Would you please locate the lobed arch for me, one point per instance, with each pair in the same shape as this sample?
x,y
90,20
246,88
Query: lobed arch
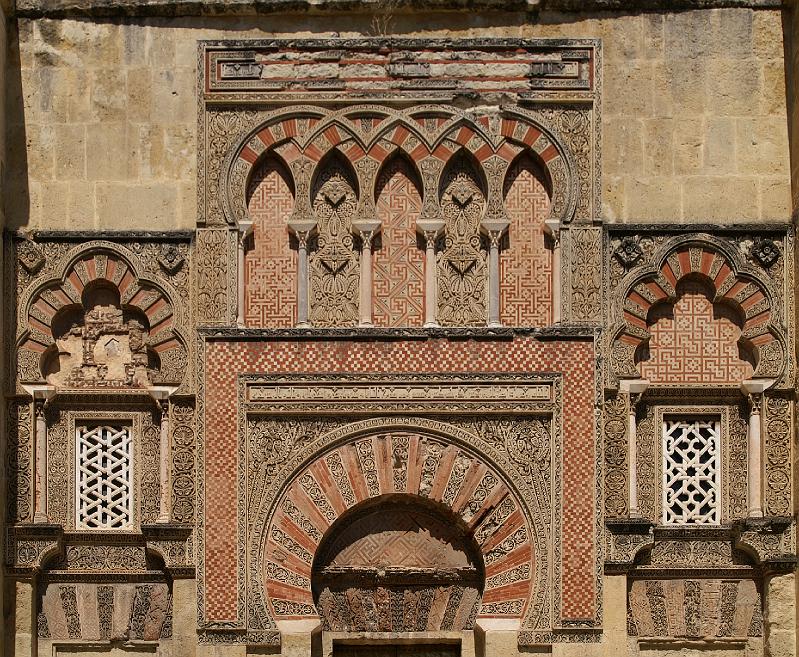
x,y
353,465
728,280
89,266
308,133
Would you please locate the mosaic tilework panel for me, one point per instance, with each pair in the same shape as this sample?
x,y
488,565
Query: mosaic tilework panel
x,y
694,343
526,263
573,358
270,264
398,265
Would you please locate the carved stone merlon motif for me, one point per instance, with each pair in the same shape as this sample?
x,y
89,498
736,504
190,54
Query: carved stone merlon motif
x,y
334,267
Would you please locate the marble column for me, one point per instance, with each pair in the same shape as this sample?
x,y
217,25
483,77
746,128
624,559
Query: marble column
x,y
40,437
367,230
634,389
245,230
552,228
754,392
164,512
430,280
493,279
302,279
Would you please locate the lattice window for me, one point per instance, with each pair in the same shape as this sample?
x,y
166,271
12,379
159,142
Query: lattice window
x,y
104,477
691,471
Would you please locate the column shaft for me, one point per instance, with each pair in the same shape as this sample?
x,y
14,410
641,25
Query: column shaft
x,y
366,279
755,461
302,279
165,514
430,280
40,503
493,280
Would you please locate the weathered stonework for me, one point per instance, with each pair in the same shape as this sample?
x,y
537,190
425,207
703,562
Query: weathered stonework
x,y
407,324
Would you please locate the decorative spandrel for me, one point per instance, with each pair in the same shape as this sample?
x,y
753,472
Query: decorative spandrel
x,y
462,270
334,267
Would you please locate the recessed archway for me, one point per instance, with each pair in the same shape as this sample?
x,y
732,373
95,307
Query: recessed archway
x,y
398,563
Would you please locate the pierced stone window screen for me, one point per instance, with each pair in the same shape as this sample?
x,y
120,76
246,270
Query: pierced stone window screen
x,y
691,471
103,477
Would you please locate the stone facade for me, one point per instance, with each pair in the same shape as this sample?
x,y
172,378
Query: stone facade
x,y
399,330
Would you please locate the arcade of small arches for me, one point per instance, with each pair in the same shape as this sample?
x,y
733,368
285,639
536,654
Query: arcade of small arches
x,y
427,219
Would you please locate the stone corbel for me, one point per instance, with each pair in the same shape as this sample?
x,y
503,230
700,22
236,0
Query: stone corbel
x,y
29,547
552,229
634,389
245,230
625,540
161,395
769,541
41,398
170,543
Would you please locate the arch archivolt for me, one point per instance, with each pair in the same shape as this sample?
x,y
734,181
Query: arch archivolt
x,y
303,477
370,134
64,289
731,281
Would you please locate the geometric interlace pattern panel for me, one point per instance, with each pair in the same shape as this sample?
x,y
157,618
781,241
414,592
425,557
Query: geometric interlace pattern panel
x,y
691,471
104,482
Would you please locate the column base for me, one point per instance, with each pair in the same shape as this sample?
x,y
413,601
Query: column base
x,y
431,325
41,519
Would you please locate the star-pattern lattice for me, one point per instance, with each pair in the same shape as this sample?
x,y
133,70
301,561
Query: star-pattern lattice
x,y
103,490
691,471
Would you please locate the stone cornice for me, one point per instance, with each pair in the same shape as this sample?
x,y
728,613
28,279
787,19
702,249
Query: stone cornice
x,y
168,8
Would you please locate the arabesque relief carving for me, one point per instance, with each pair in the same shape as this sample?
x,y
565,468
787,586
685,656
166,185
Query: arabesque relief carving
x,y
334,268
462,275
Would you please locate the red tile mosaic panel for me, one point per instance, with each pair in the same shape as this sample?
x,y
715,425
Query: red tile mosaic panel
x,y
398,265
694,342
